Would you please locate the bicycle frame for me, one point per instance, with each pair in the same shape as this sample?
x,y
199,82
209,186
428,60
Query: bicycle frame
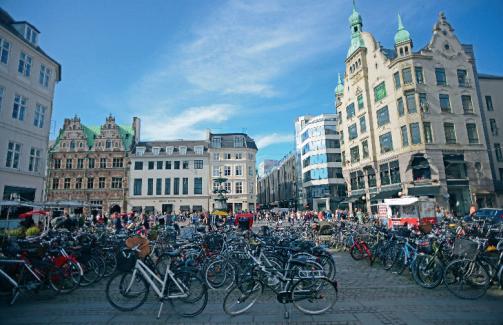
x,y
14,282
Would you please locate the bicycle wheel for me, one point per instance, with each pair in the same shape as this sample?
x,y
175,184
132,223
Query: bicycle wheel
x,y
357,253
91,270
428,271
68,279
110,263
127,291
220,273
399,262
466,279
196,290
241,298
314,295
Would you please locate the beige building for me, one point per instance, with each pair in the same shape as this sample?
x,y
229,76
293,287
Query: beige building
x,y
410,121
28,77
233,156
90,164
491,89
169,176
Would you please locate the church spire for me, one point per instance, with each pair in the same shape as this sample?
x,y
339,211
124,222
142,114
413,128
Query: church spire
x,y
356,24
402,35
339,90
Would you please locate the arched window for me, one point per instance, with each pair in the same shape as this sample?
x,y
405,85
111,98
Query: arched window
x,y
72,145
420,168
109,144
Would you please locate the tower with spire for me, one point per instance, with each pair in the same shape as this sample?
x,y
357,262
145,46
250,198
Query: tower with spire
x,y
356,24
403,42
339,90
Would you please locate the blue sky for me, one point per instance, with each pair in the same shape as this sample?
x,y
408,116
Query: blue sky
x,y
231,66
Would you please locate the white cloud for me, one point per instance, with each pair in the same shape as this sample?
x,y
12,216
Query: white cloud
x,y
263,141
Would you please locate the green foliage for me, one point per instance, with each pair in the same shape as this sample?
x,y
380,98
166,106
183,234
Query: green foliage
x,y
17,232
32,231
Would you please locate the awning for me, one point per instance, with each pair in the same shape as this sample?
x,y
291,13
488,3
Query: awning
x,y
385,194
430,190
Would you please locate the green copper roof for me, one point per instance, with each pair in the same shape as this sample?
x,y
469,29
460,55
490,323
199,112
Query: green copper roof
x,y
91,133
339,90
356,26
355,18
402,35
127,134
356,43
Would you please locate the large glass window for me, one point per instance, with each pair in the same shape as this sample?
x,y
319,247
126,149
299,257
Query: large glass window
x,y
419,75
471,129
350,110
450,133
355,154
386,142
176,186
396,78
185,186
415,133
394,170
445,103
35,160
138,165
13,152
405,136
198,164
371,177
407,76
352,131
410,97
158,186
440,76
19,107
382,116
379,91
384,174
400,106
198,185
167,186
363,124
150,186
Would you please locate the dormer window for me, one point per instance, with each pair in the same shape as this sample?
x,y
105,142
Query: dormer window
x,y
140,151
238,142
155,151
199,150
182,150
169,150
31,35
216,142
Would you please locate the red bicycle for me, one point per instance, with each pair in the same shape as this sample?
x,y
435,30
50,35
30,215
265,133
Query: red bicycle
x,y
360,249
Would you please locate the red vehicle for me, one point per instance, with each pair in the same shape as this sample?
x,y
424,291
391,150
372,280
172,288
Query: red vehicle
x,y
409,210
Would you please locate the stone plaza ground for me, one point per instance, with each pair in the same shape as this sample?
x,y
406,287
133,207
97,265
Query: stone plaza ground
x,y
366,296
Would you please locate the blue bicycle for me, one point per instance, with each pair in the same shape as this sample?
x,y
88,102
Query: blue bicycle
x,y
405,257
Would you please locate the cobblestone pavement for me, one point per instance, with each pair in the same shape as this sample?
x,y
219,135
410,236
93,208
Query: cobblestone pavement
x,y
366,296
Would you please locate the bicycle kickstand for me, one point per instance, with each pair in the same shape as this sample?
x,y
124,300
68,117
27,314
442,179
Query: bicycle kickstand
x,y
160,310
287,313
15,294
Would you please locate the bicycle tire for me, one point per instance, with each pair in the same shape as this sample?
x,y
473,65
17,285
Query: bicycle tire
x,y
240,296
464,274
356,253
428,271
117,288
313,290
219,273
198,293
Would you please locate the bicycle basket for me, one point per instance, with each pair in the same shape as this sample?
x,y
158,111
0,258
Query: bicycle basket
x,y
141,243
126,260
465,248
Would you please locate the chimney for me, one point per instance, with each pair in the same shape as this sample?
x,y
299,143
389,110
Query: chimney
x,y
136,129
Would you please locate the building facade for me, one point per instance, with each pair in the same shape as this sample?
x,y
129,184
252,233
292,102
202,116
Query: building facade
x,y
233,156
318,146
90,164
491,92
410,122
278,188
28,77
265,166
169,176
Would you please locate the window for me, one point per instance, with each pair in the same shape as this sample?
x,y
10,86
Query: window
x,y
250,170
497,151
466,100
182,150
72,145
176,186
215,187
227,156
90,182
363,124
238,142
216,142
411,101
216,171
66,183
116,182
350,110
38,120
45,76
227,171
238,155
216,156
405,136
57,163
198,164
239,187
407,76
462,78
151,165
158,186
494,127
341,136
90,163
140,151
352,132
159,164
379,91
343,157
169,150
251,156
384,173
239,170
415,133
355,154
19,107
168,165
156,151
450,133
198,185
489,103
34,160
419,75
400,106
69,163
30,35
185,164
382,116
150,186
386,142
167,186
80,163
360,102
423,103
103,163
185,186
471,129
227,187
396,78
137,184
55,183
198,150
445,103
4,51
108,144
394,171
101,182
440,75
2,93
365,149
24,67
138,165
117,162
428,136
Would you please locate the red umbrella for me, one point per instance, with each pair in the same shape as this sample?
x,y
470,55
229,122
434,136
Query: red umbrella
x,y
247,215
32,213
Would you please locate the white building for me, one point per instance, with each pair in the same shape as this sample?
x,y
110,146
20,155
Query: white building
x,y
28,77
233,157
169,176
317,144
